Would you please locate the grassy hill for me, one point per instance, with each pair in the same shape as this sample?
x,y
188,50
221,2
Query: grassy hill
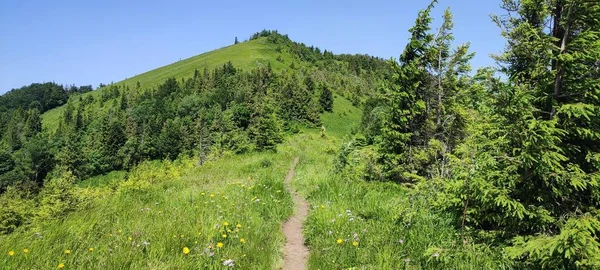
x,y
246,55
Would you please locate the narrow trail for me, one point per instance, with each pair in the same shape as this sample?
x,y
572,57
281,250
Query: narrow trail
x,y
295,253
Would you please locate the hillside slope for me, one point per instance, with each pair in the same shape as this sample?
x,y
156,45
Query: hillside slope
x,y
246,55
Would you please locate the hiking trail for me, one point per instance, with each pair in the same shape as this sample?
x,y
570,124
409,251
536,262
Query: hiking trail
x,y
295,253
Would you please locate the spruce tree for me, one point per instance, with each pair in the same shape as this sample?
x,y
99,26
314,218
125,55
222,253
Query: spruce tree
x,y
326,99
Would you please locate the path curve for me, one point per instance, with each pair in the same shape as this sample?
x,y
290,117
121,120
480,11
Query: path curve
x,y
295,253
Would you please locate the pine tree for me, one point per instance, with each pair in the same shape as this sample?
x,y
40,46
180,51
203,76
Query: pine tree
x,y
326,99
265,126
406,107
537,155
33,124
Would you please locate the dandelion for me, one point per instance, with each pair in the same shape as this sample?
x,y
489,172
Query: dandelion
x,y
186,251
224,235
129,238
242,240
219,245
212,195
225,223
11,253
61,265
339,241
229,263
91,249
355,244
68,251
26,251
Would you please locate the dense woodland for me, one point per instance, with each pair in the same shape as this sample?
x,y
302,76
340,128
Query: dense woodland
x,y
511,153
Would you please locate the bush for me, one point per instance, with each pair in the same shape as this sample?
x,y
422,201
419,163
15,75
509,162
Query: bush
x,y
57,197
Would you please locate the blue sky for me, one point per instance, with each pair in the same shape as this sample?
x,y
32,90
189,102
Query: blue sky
x,y
92,42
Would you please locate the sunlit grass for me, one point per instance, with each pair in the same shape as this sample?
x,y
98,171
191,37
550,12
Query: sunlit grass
x,y
229,212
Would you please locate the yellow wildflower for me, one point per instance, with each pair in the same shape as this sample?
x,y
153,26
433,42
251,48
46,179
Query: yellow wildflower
x,y
355,244
242,240
186,250
26,251
91,249
225,223
219,245
68,251
238,226
212,195
11,253
224,235
61,265
129,238
339,241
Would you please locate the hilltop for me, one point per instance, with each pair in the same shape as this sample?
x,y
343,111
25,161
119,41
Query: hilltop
x,y
353,76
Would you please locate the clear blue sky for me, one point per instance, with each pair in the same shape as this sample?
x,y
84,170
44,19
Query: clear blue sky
x,y
91,42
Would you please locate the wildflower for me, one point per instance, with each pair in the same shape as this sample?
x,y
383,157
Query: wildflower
x,y
407,260
91,249
242,240
182,236
339,241
26,251
225,223
129,238
61,265
212,195
229,263
145,243
186,250
355,244
401,241
219,245
68,251
224,235
436,255
11,253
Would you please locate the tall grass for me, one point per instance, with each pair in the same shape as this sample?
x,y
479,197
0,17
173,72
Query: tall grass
x,y
163,210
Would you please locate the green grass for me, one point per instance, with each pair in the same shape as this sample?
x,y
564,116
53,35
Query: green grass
x,y
146,221
245,55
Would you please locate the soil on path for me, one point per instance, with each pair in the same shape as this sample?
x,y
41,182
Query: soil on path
x,y
295,253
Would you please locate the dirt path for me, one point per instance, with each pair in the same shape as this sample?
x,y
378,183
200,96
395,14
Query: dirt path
x,y
295,253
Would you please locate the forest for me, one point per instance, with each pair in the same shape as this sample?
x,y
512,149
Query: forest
x,y
494,168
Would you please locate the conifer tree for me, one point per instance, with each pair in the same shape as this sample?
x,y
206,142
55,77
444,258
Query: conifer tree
x,y
326,99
